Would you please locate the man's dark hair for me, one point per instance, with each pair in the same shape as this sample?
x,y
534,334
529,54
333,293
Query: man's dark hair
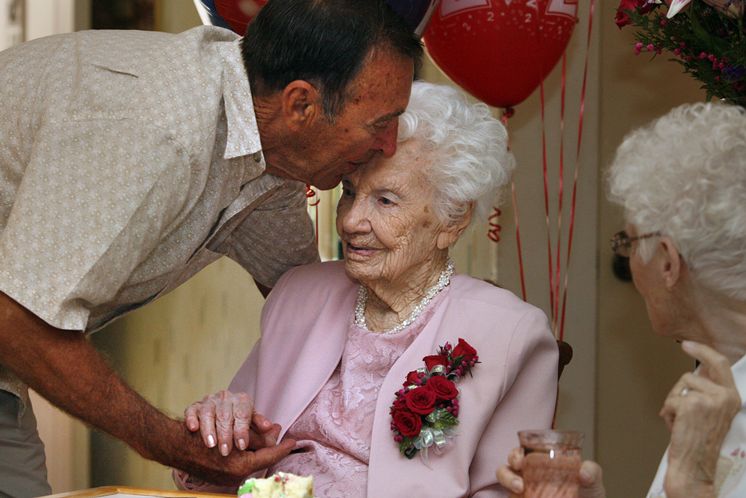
x,y
324,42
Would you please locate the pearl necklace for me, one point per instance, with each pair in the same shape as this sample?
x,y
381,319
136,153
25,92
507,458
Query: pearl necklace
x,y
362,300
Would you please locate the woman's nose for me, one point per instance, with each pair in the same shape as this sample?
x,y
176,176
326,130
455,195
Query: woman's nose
x,y
355,218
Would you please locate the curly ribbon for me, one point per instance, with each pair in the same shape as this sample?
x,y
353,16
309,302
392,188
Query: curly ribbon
x,y
494,232
581,113
545,177
311,194
558,286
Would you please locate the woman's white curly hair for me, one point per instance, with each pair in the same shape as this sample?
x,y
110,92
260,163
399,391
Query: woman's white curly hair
x,y
471,161
685,176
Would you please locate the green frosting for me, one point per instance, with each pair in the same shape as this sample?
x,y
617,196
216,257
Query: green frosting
x,y
247,487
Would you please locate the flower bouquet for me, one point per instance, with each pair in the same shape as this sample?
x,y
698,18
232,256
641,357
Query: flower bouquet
x,y
425,411
706,37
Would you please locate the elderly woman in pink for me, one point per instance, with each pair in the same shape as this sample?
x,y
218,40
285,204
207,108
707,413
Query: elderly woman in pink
x,y
369,363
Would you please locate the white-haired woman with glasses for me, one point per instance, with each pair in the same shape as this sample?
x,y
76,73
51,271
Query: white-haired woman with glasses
x,y
349,360
682,183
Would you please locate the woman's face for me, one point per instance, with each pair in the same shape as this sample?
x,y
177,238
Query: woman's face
x,y
662,306
385,218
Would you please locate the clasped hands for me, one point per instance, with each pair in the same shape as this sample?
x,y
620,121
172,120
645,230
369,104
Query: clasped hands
x,y
227,420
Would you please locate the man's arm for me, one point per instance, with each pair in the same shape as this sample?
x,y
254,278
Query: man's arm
x,y
66,369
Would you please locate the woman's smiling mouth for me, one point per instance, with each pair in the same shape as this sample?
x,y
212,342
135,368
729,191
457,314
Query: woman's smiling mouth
x,y
353,250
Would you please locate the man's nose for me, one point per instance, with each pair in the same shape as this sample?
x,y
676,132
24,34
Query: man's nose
x,y
387,139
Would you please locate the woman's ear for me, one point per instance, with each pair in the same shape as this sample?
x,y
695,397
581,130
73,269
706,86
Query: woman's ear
x,y
672,265
301,104
450,233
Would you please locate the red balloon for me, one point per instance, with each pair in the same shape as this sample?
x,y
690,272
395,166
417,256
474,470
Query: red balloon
x,y
239,13
500,50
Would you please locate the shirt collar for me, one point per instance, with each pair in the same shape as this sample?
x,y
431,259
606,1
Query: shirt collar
x,y
243,133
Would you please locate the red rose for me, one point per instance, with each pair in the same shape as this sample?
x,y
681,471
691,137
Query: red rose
x,y
421,400
413,378
398,404
464,350
640,6
434,360
407,423
443,388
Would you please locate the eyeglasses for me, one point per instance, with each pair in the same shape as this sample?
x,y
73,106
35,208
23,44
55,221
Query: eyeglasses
x,y
621,242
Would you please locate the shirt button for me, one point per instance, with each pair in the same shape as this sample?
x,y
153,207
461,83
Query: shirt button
x,y
257,157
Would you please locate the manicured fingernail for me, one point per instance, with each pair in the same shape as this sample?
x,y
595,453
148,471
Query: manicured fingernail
x,y
210,441
224,449
585,475
241,444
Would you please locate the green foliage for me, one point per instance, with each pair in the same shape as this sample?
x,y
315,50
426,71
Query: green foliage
x,y
708,44
441,419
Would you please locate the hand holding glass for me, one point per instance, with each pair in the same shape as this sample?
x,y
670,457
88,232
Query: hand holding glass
x,y
551,463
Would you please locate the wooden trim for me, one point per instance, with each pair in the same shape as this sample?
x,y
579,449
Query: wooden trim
x,y
112,490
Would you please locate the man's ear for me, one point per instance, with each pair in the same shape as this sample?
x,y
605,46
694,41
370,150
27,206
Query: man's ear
x,y
301,104
450,233
672,265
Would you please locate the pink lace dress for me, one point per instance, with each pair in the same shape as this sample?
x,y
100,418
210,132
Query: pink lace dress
x,y
334,431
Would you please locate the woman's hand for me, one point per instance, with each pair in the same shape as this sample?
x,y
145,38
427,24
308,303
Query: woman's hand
x,y
698,411
589,476
227,419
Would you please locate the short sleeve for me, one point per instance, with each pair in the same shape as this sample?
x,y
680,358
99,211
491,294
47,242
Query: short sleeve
x,y
275,237
96,197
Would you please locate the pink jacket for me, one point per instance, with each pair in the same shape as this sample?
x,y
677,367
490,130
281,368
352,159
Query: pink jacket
x,y
304,329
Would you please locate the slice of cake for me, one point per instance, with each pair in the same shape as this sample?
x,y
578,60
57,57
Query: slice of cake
x,y
280,485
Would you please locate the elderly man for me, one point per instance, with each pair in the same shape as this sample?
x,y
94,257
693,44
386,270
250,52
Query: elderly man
x,y
131,160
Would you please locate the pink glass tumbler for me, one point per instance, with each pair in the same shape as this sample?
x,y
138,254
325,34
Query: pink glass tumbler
x,y
551,463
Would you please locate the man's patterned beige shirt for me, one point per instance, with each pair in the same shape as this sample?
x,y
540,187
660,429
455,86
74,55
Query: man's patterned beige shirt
x,y
129,161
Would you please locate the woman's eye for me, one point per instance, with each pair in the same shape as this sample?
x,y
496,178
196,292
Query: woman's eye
x,y
347,192
385,201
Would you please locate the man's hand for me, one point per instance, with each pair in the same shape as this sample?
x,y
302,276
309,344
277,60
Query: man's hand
x,y
698,411
62,366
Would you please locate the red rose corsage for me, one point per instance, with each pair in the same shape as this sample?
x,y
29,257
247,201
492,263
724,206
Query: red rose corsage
x,y
425,411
